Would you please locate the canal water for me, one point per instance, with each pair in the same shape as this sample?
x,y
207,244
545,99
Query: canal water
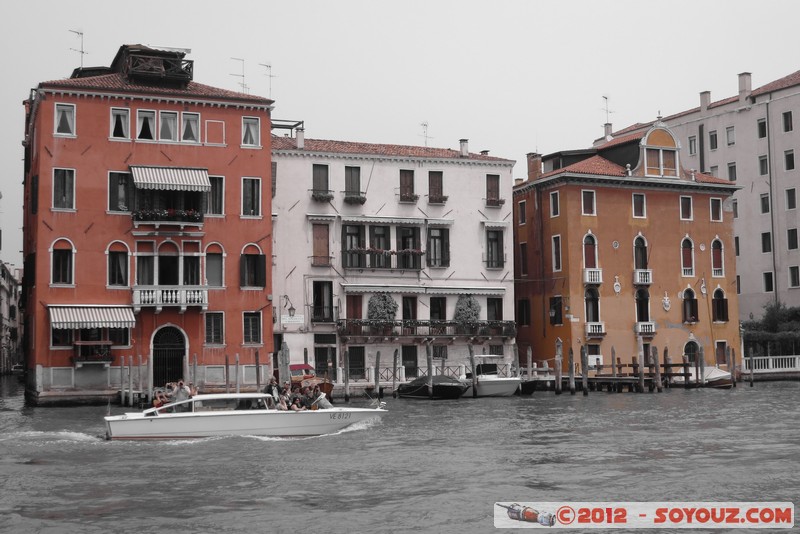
x,y
427,467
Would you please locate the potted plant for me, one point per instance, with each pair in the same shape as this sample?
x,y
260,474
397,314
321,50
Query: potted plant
x,y
381,310
467,313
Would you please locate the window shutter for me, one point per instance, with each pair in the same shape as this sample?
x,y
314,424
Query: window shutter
x,y
242,270
261,270
274,178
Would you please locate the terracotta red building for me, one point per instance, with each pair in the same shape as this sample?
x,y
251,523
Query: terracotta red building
x,y
618,244
147,229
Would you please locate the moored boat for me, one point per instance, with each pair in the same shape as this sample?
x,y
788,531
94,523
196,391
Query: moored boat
x,y
492,386
713,377
444,387
232,414
304,375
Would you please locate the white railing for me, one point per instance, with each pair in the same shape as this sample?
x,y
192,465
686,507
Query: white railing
x,y
595,329
642,277
593,276
688,271
717,273
771,364
160,296
645,328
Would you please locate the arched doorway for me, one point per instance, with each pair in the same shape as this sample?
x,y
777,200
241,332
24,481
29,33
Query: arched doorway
x,y
169,348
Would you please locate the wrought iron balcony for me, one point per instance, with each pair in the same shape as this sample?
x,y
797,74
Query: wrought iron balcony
x,y
422,329
159,297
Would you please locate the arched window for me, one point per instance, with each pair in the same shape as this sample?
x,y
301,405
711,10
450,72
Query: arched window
x,y
642,306
719,306
168,264
252,267
687,257
639,253
590,252
717,266
689,306
62,262
117,253
592,305
215,274
690,350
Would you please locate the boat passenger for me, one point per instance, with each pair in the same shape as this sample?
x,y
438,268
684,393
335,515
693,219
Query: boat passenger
x,y
283,401
181,393
160,399
272,388
297,406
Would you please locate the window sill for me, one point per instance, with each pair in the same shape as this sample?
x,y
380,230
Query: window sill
x,y
253,217
65,286
215,345
115,212
252,345
251,147
118,288
65,136
120,139
63,210
251,288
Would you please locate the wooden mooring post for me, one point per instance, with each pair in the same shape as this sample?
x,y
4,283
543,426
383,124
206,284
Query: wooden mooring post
x,y
613,385
667,367
732,364
584,371
130,381
258,372
641,361
559,363
471,349
429,359
529,354
346,375
378,390
685,371
394,375
236,369
701,377
654,361
752,366
571,372
227,374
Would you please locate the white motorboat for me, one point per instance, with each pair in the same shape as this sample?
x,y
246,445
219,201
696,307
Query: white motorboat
x,y
713,377
232,414
493,386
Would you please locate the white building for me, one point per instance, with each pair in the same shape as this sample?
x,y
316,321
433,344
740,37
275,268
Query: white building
x,y
423,225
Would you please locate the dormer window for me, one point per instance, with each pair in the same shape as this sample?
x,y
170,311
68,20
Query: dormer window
x,y
661,153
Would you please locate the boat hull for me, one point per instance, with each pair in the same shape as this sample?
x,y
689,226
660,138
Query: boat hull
x,y
443,388
712,378
492,386
196,423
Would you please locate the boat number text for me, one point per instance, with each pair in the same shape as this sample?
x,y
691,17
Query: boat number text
x,y
340,416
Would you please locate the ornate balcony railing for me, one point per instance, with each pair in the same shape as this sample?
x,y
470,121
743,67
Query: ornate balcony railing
x,y
645,328
593,276
425,328
159,297
167,217
642,277
596,329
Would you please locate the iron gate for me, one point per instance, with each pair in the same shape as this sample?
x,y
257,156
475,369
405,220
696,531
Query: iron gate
x,y
169,349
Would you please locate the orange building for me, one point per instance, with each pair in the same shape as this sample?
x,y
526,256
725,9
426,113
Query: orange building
x,y
147,229
617,244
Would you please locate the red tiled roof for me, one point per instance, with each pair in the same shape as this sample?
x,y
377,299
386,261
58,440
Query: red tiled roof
x,y
116,82
352,147
699,177
594,165
783,83
636,136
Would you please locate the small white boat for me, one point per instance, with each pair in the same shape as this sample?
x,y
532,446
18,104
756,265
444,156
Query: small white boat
x,y
232,414
713,377
493,386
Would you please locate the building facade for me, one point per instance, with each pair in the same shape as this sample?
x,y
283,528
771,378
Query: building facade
x,y
146,229
618,249
9,319
750,139
375,245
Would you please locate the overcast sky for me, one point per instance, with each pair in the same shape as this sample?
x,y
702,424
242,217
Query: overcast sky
x,y
512,76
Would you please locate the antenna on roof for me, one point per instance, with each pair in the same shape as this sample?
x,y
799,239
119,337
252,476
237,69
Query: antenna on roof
x,y
241,84
269,75
82,52
424,125
605,108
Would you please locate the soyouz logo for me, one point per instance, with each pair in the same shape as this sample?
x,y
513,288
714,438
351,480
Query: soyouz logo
x,y
637,515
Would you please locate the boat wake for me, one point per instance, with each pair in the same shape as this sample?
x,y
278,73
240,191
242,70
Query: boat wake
x,y
51,437
355,427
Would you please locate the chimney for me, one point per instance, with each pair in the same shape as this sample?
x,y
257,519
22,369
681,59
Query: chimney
x,y
301,138
518,181
464,148
705,100
484,152
744,86
534,166
607,130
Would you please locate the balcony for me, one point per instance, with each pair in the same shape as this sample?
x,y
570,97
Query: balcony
x,y
642,277
356,258
159,297
408,197
495,202
595,329
645,328
167,217
717,273
92,353
418,330
355,197
437,199
593,276
688,271
322,195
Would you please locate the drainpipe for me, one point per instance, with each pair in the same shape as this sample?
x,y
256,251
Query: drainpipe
x,y
771,205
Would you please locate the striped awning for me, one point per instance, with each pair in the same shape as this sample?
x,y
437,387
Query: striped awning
x,y
171,178
71,317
